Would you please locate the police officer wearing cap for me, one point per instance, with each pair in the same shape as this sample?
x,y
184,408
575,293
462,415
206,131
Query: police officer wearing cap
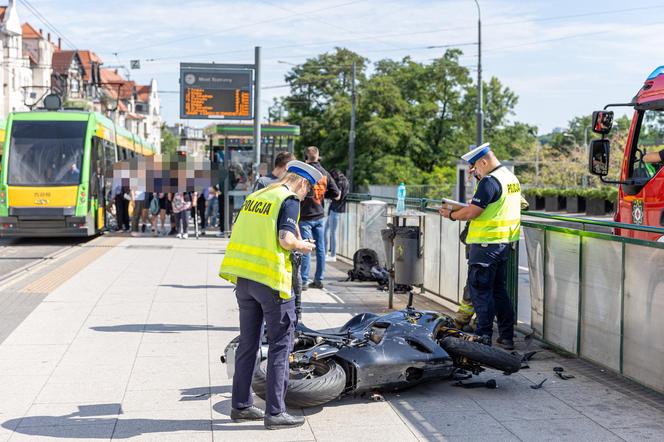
x,y
257,262
495,211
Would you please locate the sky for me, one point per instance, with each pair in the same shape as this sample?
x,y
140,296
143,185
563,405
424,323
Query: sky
x,y
562,58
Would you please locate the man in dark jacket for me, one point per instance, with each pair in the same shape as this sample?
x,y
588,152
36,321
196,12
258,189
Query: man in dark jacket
x,y
312,219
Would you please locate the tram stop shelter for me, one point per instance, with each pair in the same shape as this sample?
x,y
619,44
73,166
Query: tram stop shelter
x,y
232,145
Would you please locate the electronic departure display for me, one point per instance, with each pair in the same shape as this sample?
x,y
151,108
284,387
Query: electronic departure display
x,y
210,92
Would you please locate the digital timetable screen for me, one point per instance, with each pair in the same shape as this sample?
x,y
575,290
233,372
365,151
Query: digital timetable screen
x,y
208,92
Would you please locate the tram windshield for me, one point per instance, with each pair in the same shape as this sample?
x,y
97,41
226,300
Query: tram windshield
x,y
46,153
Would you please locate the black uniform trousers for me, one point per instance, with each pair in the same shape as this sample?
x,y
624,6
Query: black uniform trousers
x,y
258,303
487,284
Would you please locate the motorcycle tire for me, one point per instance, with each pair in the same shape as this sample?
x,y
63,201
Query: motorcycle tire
x,y
304,393
482,354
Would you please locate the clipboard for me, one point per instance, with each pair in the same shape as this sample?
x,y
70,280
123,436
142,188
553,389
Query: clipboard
x,y
453,205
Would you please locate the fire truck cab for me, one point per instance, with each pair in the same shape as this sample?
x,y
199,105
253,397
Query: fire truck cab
x,y
641,183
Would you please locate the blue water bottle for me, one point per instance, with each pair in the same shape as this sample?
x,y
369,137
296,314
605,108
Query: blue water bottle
x,y
401,198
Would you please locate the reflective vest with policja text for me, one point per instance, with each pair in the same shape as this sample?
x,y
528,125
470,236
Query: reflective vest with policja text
x,y
500,222
254,251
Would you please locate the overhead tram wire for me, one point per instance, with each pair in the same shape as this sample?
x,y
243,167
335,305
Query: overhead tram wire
x,y
47,23
397,34
326,22
249,25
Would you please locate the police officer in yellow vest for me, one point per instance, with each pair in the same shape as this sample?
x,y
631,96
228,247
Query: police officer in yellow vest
x,y
495,212
257,262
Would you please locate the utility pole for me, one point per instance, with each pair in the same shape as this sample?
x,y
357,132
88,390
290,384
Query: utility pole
x,y
351,134
480,113
257,110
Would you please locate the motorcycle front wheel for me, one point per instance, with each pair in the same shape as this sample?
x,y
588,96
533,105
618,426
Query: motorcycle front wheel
x,y
309,385
482,354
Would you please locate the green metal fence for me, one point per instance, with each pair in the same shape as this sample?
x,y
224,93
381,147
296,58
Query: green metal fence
x,y
598,295
594,294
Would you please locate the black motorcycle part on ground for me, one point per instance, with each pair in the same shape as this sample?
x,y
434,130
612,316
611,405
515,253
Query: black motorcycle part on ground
x,y
482,354
328,384
400,352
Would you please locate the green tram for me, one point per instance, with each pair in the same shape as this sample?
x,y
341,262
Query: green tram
x,y
57,172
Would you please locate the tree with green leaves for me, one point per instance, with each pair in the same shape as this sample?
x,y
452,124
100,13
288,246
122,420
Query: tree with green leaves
x,y
169,142
413,119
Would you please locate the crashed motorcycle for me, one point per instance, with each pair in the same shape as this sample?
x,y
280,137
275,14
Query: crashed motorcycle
x,y
377,353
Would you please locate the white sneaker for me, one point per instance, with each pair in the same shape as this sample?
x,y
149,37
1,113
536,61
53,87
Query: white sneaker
x,y
179,235
185,236
330,259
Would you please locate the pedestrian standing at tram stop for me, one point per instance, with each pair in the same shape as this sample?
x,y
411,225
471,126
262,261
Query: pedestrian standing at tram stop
x,y
495,211
257,262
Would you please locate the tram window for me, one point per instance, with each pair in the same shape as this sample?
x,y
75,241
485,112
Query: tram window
x,y
47,153
109,155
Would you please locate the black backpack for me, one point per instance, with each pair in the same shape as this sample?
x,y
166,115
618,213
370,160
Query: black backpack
x,y
363,261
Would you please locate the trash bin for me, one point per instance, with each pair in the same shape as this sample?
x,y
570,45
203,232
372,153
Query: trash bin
x,y
408,256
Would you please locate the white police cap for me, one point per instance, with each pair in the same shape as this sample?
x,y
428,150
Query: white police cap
x,y
305,170
476,153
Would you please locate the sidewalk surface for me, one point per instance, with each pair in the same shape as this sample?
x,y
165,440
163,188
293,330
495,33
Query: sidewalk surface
x,y
127,339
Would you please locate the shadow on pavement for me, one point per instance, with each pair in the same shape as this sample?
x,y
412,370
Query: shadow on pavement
x,y
159,328
200,286
203,393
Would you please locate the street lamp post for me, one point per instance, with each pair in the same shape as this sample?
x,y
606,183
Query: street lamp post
x,y
351,134
480,113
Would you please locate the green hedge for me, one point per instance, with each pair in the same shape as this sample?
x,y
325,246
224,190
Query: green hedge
x,y
607,193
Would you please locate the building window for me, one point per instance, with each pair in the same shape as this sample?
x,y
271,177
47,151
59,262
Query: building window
x,y
74,85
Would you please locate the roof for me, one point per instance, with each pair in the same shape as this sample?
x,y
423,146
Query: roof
x,y
87,58
3,9
62,61
111,79
29,32
143,92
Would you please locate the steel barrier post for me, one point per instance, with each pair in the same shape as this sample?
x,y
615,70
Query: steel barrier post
x,y
513,278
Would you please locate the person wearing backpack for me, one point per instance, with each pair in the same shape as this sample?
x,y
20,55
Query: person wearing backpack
x,y
337,207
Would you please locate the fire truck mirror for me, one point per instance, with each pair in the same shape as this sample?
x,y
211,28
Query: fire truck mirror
x,y
602,122
598,157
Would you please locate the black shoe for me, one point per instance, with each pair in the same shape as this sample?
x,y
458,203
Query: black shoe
x,y
506,344
251,413
316,284
143,228
282,420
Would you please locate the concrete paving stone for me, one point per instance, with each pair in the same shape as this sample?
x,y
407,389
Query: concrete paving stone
x,y
621,413
560,430
92,371
180,436
65,334
352,412
5,434
649,431
435,421
224,429
366,433
173,378
31,351
100,430
591,394
474,436
172,349
30,367
82,391
69,415
167,423
190,399
545,406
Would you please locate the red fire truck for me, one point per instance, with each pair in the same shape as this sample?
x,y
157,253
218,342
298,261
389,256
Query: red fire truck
x,y
641,183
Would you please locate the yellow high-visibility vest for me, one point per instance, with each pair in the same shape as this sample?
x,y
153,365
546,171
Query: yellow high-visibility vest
x,y
500,222
254,251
